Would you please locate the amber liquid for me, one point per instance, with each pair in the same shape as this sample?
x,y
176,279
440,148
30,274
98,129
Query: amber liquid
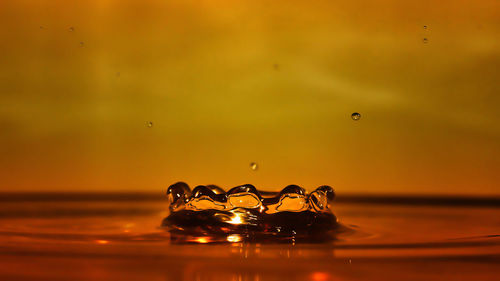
x,y
284,227
245,214
105,237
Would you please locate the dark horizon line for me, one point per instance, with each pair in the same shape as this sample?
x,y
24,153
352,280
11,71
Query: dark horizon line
x,y
387,199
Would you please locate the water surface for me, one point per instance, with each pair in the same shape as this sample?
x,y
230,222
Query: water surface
x,y
118,237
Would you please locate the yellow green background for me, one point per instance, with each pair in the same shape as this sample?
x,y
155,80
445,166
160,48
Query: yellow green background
x,y
227,83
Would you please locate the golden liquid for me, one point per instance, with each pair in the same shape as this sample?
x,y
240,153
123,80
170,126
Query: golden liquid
x,y
110,237
131,95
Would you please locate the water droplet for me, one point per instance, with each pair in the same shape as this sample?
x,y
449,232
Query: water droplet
x,y
215,189
202,190
41,27
318,200
243,189
71,29
254,166
149,124
425,26
425,40
328,190
82,44
355,116
118,74
276,66
292,188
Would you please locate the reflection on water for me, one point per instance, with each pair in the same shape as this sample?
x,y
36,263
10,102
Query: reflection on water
x,y
119,238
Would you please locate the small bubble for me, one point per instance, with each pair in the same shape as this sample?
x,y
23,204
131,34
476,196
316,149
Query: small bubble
x,y
254,166
149,124
425,40
82,44
355,116
71,29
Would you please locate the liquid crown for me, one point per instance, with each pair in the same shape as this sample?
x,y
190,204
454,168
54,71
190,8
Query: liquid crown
x,y
210,212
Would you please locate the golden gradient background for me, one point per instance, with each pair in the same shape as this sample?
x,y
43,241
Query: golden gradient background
x,y
227,83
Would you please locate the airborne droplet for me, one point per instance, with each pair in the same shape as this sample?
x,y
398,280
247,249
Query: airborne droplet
x,y
149,124
355,116
254,166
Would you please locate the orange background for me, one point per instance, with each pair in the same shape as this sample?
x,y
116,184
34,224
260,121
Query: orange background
x,y
227,83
